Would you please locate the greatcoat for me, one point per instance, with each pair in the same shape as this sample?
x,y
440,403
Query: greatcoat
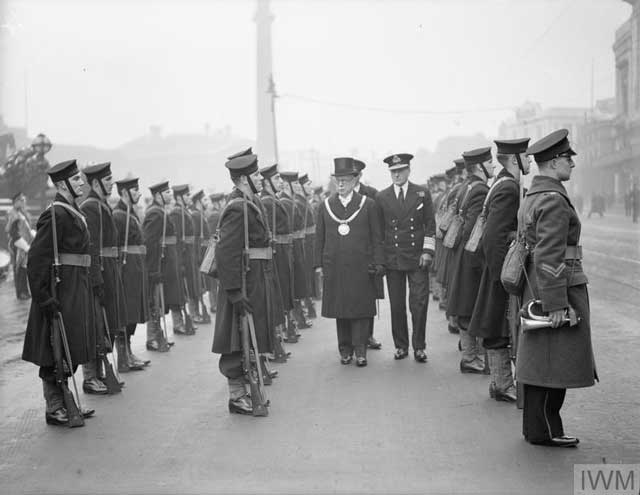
x,y
163,260
297,222
347,261
555,357
105,264
489,318
229,256
443,257
134,272
466,267
186,249
73,291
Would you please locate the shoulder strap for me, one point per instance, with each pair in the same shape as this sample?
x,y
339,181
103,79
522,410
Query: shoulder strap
x,y
466,194
71,210
493,186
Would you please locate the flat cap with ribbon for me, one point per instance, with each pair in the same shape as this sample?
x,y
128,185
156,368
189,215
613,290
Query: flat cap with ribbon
x,y
551,146
242,165
400,160
97,171
63,170
159,187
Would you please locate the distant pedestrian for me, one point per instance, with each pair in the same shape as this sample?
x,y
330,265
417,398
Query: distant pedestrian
x,y
20,236
635,203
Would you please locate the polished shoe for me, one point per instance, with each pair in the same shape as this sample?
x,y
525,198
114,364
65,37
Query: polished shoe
x,y
197,319
272,373
453,328
420,356
156,346
179,330
94,386
372,343
346,359
87,413
170,344
290,339
471,368
135,360
242,405
563,441
305,324
361,362
401,354
57,418
508,395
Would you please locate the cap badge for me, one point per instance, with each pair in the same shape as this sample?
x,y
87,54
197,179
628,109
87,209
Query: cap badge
x,y
396,159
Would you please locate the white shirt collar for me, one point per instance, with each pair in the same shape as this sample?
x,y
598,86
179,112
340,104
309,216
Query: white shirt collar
x,y
357,188
347,200
404,187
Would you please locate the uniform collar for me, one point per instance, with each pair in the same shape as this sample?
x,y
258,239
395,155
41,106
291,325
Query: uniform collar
x,y
404,187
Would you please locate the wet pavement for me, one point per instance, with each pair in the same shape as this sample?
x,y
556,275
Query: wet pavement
x,y
394,426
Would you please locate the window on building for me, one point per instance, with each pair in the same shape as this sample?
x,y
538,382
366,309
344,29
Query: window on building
x,y
623,88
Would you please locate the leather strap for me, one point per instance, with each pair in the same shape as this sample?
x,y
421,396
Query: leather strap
x,y
170,240
283,239
136,249
109,252
71,259
265,253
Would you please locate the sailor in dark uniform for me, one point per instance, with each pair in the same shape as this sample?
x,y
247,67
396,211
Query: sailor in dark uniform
x,y
406,212
213,215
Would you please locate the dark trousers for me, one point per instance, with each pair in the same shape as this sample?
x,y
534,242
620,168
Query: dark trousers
x,y
371,327
418,304
496,343
352,336
541,414
20,281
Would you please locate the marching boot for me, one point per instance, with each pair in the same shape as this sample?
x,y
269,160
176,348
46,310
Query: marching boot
x,y
133,359
194,311
492,363
155,338
470,362
189,326
505,388
292,336
178,322
91,384
239,400
311,308
298,314
206,317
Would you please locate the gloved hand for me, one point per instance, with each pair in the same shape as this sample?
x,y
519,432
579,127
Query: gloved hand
x,y
241,304
156,278
98,291
425,261
377,270
50,306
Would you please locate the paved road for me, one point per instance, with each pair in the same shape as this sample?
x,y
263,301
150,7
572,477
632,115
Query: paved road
x,y
391,427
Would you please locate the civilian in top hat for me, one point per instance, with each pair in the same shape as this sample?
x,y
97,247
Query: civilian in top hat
x,y
369,192
73,297
132,255
234,300
489,320
406,213
185,233
202,235
467,266
20,236
162,265
550,360
105,277
349,254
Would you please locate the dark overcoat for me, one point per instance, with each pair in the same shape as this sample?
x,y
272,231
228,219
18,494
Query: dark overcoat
x,y
201,229
370,192
276,214
212,221
443,258
408,228
466,267
104,270
555,357
489,318
229,256
133,272
185,232
163,260
309,241
297,222
349,289
73,292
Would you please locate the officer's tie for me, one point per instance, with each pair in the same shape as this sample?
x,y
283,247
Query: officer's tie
x,y
401,196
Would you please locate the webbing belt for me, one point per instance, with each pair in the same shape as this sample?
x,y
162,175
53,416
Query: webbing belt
x,y
135,250
109,252
265,253
75,259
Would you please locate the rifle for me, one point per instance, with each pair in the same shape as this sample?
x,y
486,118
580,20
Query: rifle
x,y
126,236
258,396
188,322
60,343
112,383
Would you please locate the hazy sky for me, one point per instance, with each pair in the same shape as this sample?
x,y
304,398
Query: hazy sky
x,y
101,72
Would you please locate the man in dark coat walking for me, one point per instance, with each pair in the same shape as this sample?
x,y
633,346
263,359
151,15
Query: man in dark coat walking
x,y
369,192
234,300
550,360
132,256
349,255
409,227
489,320
162,266
466,266
73,297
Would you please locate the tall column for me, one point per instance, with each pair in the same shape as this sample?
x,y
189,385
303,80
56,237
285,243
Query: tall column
x,y
266,147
